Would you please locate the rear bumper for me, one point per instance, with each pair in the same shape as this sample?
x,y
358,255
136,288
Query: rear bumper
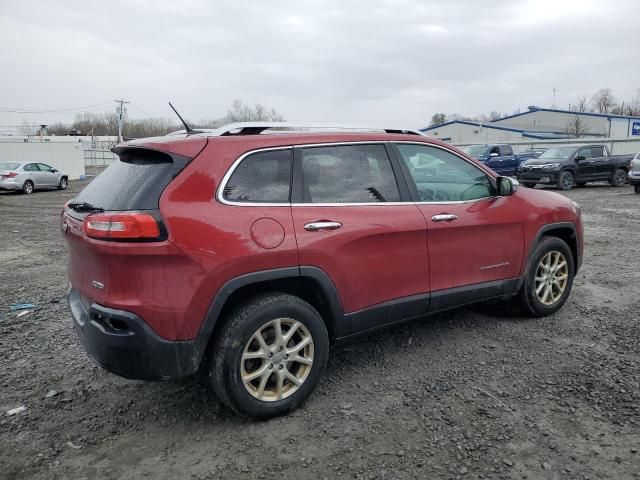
x,y
124,344
10,185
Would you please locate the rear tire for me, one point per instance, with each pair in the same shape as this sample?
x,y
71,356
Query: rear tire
x,y
566,180
257,337
63,183
619,178
636,188
548,279
27,187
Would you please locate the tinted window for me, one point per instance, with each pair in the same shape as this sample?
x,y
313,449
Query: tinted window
x,y
31,167
135,182
585,152
348,174
597,152
262,177
441,176
44,168
507,150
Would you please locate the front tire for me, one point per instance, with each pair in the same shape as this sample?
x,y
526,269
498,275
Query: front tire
x,y
27,187
548,279
636,188
269,355
619,178
63,183
566,180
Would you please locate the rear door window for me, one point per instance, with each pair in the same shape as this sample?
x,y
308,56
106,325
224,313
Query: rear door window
x,y
348,174
262,177
597,152
134,182
507,150
31,167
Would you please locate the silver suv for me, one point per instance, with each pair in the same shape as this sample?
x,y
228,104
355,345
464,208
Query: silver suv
x,y
27,176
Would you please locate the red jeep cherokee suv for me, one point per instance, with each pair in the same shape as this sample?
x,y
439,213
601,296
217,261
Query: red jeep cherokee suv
x,y
245,251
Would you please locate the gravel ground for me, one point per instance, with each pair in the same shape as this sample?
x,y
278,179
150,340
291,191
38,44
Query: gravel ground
x,y
475,393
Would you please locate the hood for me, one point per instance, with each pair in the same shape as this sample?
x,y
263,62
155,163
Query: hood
x,y
544,161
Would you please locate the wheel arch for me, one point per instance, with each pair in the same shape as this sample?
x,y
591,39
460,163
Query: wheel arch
x,y
565,231
311,284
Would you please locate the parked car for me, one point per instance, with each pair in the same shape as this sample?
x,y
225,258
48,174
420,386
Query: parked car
x,y
569,165
634,173
29,176
498,156
245,254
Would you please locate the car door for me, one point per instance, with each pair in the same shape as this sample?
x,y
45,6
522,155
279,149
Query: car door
x,y
585,164
356,222
603,166
509,163
495,162
46,175
33,173
475,238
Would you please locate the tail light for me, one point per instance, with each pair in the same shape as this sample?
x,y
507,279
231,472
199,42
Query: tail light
x,y
10,175
122,226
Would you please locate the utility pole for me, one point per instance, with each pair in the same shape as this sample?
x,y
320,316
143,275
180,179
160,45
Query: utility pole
x,y
554,99
120,117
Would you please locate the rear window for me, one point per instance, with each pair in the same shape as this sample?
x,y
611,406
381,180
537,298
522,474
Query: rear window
x,y
135,182
262,177
9,166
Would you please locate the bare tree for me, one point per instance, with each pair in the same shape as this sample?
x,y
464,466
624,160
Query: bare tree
x,y
27,128
577,127
437,119
582,103
603,100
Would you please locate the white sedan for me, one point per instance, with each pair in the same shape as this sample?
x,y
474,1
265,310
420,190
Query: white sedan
x,y
28,176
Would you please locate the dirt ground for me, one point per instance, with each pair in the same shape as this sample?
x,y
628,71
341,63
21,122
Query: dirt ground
x,y
476,393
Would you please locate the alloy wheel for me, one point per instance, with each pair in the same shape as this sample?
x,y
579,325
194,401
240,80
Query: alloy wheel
x,y
277,359
567,181
552,276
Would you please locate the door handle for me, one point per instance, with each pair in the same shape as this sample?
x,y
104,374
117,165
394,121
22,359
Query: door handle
x,y
444,217
322,225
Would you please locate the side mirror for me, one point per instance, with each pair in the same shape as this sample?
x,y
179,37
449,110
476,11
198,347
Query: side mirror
x,y
53,170
493,154
506,186
580,157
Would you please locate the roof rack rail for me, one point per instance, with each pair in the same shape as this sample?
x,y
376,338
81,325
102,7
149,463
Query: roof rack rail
x,y
255,128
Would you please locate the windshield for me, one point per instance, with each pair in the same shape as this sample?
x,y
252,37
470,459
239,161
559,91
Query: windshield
x,y
558,152
9,166
474,150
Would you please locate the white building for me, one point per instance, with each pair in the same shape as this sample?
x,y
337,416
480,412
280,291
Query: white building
x,y
64,153
537,124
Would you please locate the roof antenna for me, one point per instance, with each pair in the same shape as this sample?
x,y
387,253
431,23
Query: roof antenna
x,y
187,128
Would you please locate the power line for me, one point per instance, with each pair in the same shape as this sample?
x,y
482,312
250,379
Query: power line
x,y
57,110
135,105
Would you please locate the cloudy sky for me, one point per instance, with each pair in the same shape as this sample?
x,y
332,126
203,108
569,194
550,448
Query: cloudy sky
x,y
359,61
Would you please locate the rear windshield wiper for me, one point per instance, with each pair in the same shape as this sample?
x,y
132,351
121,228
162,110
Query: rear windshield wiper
x,y
84,207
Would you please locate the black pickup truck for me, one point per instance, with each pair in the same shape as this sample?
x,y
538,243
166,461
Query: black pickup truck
x,y
569,165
